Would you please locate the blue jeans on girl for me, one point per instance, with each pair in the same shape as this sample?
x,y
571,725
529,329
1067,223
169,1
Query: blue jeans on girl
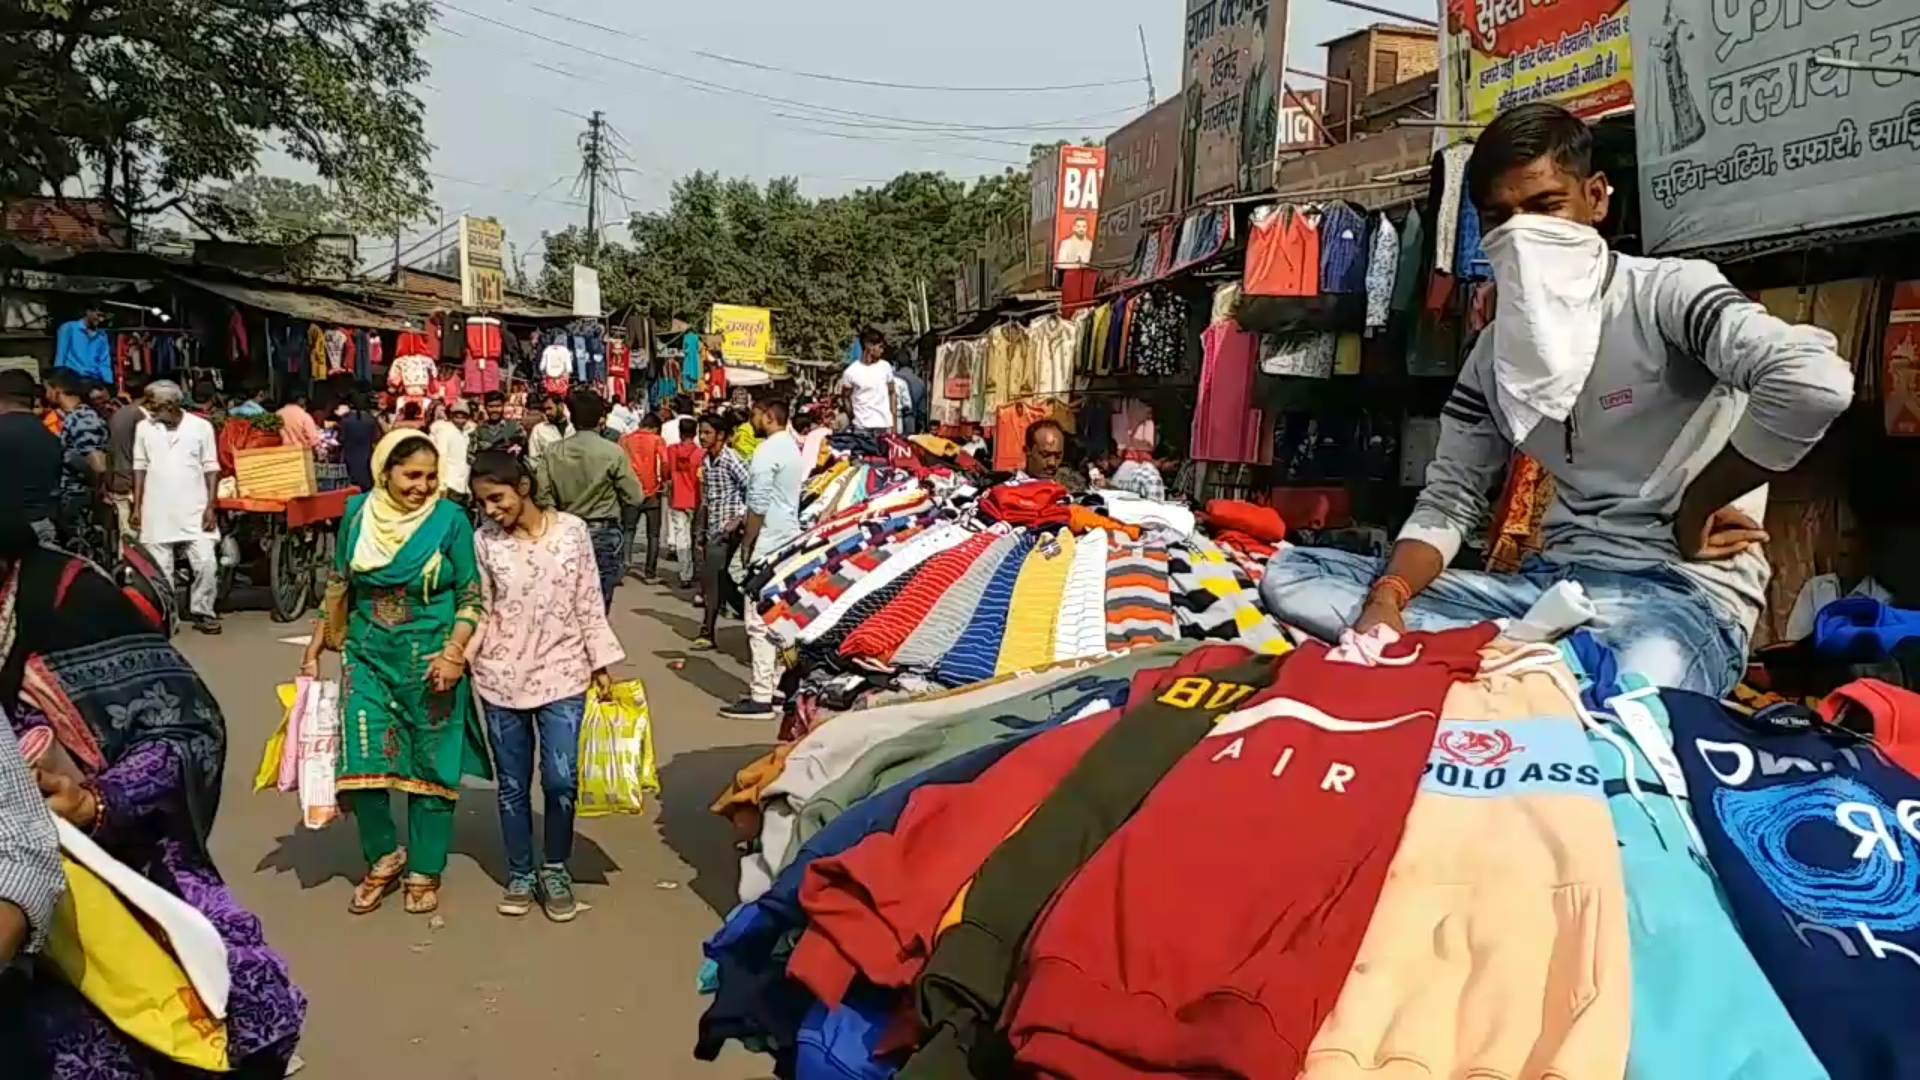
x,y
513,732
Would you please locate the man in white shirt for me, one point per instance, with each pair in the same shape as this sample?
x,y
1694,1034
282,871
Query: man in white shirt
x,y
450,436
175,471
551,429
871,397
775,477
1075,250
672,411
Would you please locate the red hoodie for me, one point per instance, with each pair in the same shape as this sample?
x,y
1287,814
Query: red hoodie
x,y
1212,934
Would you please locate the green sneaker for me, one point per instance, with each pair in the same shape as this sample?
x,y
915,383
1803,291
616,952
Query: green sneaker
x,y
518,899
556,894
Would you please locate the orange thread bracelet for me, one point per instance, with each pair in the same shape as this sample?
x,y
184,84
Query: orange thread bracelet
x,y
1395,584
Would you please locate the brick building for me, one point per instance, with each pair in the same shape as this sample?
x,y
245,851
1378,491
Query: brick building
x,y
1371,60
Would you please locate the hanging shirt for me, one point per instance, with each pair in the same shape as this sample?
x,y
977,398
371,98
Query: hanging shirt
x,y
1343,251
1283,254
1226,426
177,461
1308,353
1383,270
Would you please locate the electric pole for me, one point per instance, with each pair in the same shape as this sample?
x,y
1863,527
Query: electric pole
x,y
593,152
1146,60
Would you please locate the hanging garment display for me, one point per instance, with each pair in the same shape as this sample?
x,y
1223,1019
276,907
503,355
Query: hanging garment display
x,y
1346,354
335,347
1307,353
556,366
1226,425
1343,251
1383,268
1283,253
1406,272
410,379
1157,335
1052,342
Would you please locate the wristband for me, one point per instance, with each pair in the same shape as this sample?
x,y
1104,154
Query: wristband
x,y
1394,584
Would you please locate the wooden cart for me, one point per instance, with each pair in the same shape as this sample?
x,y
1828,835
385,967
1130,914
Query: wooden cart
x,y
287,545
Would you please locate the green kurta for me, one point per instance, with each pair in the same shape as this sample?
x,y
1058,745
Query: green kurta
x,y
395,732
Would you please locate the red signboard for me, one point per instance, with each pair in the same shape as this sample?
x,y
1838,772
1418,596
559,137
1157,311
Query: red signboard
x,y
1076,215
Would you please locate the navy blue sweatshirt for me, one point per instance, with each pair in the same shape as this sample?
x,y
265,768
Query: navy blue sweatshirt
x,y
1806,833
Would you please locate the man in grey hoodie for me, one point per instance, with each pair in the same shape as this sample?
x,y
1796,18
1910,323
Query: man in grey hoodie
x,y
1659,397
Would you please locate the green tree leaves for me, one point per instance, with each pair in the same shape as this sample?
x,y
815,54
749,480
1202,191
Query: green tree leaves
x,y
828,266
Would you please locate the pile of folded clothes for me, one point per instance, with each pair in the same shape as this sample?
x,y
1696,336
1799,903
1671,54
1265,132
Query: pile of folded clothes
x,y
908,581
1444,855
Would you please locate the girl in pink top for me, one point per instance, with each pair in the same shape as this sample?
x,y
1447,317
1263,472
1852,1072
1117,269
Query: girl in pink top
x,y
544,641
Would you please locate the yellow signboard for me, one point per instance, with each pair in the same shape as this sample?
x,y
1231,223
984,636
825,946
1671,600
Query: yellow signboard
x,y
1575,53
483,263
746,337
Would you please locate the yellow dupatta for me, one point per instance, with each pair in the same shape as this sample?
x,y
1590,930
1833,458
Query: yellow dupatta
x,y
385,525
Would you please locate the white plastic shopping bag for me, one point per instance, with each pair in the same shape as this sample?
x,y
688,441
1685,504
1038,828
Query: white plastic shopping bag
x,y
319,728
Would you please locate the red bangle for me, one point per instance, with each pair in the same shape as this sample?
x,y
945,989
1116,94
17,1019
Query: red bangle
x,y
1395,584
92,787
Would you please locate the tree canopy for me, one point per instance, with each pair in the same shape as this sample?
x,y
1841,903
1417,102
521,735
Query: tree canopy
x,y
830,266
149,101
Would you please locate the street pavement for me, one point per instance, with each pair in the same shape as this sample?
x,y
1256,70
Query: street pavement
x,y
474,994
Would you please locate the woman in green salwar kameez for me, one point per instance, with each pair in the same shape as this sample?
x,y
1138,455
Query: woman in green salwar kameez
x,y
406,591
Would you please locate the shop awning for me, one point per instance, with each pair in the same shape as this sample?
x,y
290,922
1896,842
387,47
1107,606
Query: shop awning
x,y
313,307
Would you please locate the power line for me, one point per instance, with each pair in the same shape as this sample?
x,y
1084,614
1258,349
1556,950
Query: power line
x,y
723,88
506,190
848,80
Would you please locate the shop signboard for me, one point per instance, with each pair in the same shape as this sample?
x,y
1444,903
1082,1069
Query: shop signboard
x,y
1143,161
1301,124
1076,211
1902,369
586,292
746,338
1235,53
483,263
1742,136
1502,53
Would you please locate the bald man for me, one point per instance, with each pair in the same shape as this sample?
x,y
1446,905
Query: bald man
x,y
1047,457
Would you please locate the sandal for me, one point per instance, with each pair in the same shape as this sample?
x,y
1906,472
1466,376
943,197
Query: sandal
x,y
420,894
378,883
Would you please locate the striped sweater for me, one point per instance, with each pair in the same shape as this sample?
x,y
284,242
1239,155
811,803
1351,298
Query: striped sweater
x,y
1033,616
951,613
885,564
976,652
1214,599
1083,617
1139,601
876,639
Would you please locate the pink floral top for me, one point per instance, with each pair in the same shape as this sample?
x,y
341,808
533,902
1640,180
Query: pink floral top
x,y
545,631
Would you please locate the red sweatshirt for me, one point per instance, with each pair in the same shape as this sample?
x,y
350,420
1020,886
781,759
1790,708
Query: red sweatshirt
x,y
1212,934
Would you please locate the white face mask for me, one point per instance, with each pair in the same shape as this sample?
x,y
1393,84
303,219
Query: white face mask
x,y
1548,274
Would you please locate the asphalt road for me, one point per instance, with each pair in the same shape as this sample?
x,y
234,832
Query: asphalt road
x,y
474,994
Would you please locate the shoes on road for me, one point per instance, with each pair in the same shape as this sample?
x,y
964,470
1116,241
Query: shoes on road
x,y
518,899
556,894
701,644
748,710
207,626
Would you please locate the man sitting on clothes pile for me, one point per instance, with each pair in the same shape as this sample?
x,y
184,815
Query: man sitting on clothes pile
x,y
1659,397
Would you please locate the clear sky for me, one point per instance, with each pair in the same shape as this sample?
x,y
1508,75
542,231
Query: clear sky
x,y
506,106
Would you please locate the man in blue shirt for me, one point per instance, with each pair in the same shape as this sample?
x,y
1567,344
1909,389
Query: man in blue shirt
x,y
774,480
82,348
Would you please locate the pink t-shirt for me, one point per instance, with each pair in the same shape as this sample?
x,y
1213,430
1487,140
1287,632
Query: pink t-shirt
x,y
545,631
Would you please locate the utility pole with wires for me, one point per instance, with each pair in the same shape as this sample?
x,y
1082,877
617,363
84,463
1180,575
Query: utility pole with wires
x,y
1146,60
593,159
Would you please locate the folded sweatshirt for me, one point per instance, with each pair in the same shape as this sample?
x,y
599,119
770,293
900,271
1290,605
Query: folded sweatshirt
x,y
966,980
878,637
975,654
831,749
1498,949
1105,682
1139,595
1692,972
1210,934
1082,629
1813,835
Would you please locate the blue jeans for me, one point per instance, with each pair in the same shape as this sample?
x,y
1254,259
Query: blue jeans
x,y
512,731
609,557
1657,623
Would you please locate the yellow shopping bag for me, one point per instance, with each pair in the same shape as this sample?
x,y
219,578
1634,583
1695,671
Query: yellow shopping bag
x,y
101,948
268,778
617,767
